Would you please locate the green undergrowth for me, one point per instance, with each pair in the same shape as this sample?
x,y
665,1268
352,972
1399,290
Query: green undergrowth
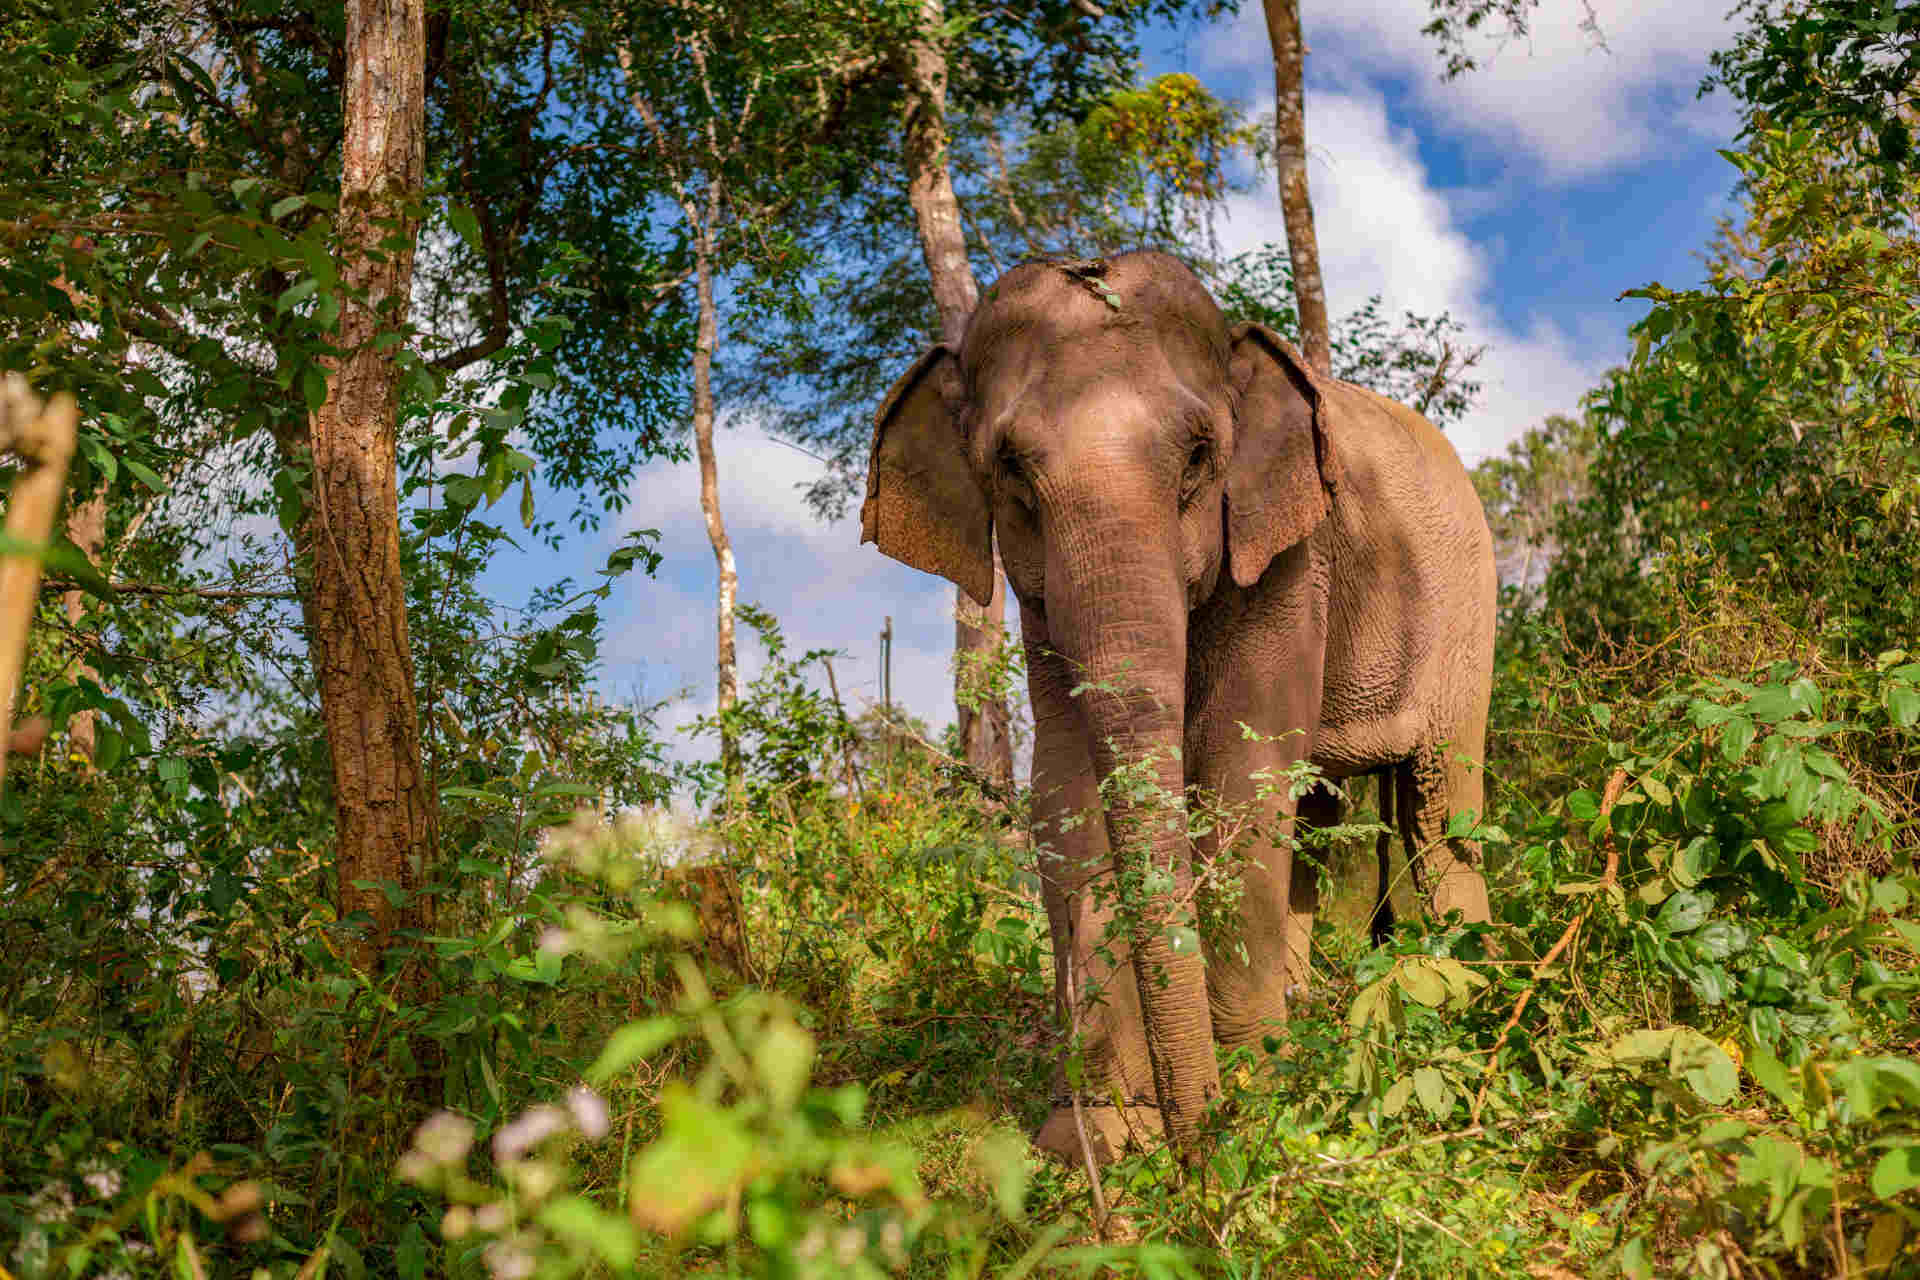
x,y
1687,1045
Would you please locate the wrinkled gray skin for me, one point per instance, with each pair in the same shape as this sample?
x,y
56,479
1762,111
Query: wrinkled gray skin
x,y
1210,535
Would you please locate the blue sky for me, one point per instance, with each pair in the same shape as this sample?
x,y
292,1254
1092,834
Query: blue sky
x,y
1522,198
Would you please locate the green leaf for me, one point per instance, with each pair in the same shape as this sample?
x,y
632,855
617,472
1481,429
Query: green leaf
x,y
295,294
1644,1045
462,220
705,1152
783,1057
1397,1097
1774,1077
144,474
1694,861
1735,738
1898,1171
313,386
410,1253
286,205
609,1237
1002,1156
630,1044
1431,1088
1705,1066
1422,983
1903,705
1684,912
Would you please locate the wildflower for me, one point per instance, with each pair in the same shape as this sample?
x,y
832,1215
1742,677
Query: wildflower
x,y
589,1111
529,1131
52,1203
508,1261
103,1181
444,1138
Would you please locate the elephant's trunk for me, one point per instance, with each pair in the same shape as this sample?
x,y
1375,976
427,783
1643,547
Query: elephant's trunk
x,y
1116,610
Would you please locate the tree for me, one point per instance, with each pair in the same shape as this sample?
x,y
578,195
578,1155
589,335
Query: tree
x,y
384,807
978,631
1290,171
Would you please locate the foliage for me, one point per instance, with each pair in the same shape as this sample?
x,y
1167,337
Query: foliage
x,y
1526,493
1843,69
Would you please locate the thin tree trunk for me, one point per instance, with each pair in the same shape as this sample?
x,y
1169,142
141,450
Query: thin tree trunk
x,y
705,336
978,633
384,809
87,529
1290,163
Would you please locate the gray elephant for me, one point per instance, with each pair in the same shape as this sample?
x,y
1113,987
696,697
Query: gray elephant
x,y
1202,533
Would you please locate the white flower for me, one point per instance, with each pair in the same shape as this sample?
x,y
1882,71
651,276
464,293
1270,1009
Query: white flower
x,y
529,1131
444,1138
53,1202
103,1181
589,1112
507,1260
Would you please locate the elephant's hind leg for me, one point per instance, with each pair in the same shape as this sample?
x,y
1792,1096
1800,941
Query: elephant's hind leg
x,y
1436,783
1318,808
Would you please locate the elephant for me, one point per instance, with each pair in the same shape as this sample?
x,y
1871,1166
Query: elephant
x,y
1205,537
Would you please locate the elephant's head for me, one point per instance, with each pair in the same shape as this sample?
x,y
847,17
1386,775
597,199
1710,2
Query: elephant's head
x,y
1128,448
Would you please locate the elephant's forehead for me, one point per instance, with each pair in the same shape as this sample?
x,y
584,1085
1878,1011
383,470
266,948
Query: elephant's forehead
x,y
1032,383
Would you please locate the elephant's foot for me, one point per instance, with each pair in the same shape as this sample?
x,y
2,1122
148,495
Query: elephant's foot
x,y
1110,1130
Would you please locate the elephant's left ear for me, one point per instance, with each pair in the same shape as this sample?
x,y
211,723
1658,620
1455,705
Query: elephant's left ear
x,y
1283,470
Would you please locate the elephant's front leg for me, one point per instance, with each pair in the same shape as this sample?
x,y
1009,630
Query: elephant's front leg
x,y
1095,992
1261,670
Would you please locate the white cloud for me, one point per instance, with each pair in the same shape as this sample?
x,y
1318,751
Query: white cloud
x,y
1554,105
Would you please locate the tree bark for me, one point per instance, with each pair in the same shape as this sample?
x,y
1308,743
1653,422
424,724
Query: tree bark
x,y
1290,165
384,808
978,634
727,671
87,529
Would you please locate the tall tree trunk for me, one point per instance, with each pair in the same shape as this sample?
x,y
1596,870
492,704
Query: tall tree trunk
x,y
705,336
384,809
87,529
1290,163
978,633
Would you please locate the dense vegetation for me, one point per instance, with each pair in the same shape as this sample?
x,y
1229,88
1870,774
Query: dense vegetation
x,y
787,1010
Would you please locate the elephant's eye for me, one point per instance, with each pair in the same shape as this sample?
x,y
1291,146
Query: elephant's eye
x,y
1014,476
1199,466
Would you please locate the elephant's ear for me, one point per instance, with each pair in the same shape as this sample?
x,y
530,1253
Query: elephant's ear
x,y
924,507
1283,468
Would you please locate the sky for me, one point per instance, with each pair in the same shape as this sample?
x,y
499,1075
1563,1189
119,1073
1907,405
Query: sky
x,y
1522,197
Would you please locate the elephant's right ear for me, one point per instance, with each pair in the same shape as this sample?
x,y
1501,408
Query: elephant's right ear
x,y
924,507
